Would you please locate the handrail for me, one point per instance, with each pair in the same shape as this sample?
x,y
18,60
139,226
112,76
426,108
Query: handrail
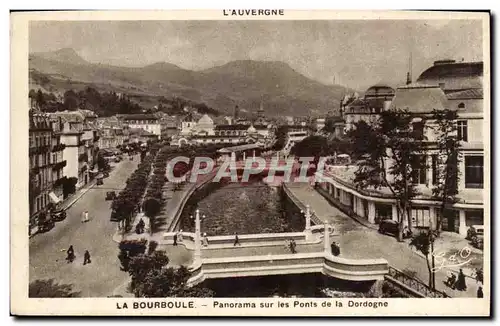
x,y
415,284
301,205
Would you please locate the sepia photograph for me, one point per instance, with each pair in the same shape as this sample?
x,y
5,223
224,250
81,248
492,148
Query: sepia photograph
x,y
251,160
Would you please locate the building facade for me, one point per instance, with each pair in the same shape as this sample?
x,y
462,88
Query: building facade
x,y
445,85
148,122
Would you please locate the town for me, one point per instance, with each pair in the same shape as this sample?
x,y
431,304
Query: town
x,y
129,194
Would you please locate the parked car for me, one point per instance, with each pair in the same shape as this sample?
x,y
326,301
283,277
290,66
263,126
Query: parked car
x,y
46,226
391,227
474,230
478,241
58,214
388,227
110,195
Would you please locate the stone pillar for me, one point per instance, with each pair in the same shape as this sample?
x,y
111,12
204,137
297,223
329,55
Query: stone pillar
x,y
254,154
462,227
307,230
327,239
308,217
361,208
233,157
197,238
394,212
371,212
428,171
432,217
244,156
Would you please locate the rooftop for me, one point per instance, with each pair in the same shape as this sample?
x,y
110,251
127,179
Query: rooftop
x,y
419,98
139,116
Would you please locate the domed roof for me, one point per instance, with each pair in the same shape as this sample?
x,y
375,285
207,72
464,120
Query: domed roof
x,y
379,90
453,75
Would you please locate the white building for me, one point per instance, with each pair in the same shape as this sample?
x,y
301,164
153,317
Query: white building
x,y
148,122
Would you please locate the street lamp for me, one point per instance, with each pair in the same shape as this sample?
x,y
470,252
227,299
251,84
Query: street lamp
x,y
327,231
308,213
197,236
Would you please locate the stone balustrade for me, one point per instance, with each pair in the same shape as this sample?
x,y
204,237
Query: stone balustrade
x,y
246,240
300,263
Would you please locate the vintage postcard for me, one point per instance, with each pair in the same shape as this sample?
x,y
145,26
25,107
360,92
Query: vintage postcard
x,y
250,163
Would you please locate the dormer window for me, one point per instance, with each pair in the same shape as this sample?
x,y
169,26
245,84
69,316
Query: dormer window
x,y
461,106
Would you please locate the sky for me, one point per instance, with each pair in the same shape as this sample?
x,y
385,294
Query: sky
x,y
354,53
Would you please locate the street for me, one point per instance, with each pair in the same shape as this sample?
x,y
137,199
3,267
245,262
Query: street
x,y
48,250
359,242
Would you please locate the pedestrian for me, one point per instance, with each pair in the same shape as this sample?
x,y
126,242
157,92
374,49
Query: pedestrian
x,y
335,249
461,285
236,239
175,239
86,257
480,292
85,216
205,240
71,254
179,236
293,245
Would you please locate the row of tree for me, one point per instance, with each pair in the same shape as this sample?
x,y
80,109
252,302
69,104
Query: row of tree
x,y
129,199
175,105
103,104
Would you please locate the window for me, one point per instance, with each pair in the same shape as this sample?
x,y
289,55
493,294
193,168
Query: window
x,y
435,171
418,130
421,217
461,106
462,130
474,172
419,170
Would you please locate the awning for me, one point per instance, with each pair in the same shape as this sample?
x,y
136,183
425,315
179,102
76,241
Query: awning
x,y
54,198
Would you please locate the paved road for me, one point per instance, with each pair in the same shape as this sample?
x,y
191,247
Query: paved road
x,y
47,251
361,242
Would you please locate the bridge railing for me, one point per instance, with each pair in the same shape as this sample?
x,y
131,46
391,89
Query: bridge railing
x,y
414,284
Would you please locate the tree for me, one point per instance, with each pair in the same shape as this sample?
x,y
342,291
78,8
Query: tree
x,y
102,163
151,278
71,100
385,151
130,249
280,134
50,289
140,265
151,208
447,161
424,242
312,146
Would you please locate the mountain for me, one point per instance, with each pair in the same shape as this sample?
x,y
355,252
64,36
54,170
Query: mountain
x,y
66,55
244,83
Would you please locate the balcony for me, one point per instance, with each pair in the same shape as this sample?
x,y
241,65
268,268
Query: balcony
x,y
39,150
59,165
58,147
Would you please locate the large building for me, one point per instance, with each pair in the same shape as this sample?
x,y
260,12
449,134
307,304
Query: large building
x,y
445,85
148,122
46,164
75,135
377,98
